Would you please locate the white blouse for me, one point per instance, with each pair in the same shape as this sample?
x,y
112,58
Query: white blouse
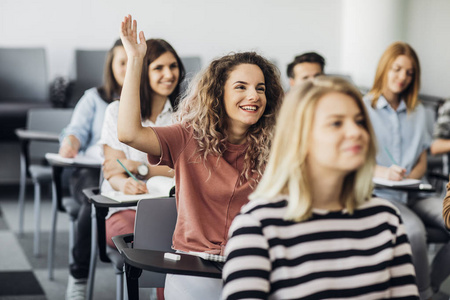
x,y
109,137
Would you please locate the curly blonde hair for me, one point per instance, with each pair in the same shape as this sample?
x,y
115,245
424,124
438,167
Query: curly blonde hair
x,y
203,110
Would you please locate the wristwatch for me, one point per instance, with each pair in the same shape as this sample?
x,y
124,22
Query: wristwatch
x,y
143,170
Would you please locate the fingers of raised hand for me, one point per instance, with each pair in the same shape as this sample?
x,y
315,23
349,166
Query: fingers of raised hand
x,y
142,38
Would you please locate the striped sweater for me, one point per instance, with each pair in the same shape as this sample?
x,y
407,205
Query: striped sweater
x,y
333,255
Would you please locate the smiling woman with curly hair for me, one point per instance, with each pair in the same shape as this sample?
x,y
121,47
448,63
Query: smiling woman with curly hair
x,y
204,110
217,149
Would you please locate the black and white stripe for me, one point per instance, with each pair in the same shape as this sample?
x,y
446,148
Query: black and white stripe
x,y
365,255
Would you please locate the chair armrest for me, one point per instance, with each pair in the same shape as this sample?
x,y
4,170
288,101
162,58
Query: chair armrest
x,y
172,192
439,176
122,241
35,135
90,192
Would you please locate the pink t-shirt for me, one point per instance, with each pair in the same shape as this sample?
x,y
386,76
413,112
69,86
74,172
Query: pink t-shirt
x,y
208,197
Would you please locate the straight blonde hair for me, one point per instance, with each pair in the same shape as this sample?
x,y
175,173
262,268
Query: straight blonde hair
x,y
286,174
411,93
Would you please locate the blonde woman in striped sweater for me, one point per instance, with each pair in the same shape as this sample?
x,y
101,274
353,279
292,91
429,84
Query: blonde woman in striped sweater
x,y
311,229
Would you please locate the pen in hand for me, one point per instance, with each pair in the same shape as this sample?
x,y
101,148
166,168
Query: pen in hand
x,y
126,170
395,167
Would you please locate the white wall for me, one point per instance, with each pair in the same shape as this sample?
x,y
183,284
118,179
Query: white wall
x,y
351,34
428,31
368,27
277,29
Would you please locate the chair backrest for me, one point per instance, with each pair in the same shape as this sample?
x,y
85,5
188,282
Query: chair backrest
x,y
153,229
89,65
435,163
50,120
23,75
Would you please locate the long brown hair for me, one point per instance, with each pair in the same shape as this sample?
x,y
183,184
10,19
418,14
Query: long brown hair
x,y
110,90
155,48
203,109
410,94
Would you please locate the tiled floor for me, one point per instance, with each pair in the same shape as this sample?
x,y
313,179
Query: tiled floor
x,y
23,276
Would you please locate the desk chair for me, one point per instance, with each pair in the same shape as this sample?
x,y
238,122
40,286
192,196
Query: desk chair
x,y
89,65
153,229
63,204
23,85
100,208
32,162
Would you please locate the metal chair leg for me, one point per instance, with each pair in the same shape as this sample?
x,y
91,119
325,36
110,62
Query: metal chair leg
x,y
37,218
93,259
119,285
23,184
51,245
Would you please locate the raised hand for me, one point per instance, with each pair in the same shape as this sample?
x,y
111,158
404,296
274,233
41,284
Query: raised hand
x,y
128,35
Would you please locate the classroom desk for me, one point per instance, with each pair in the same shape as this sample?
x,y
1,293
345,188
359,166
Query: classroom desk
x,y
57,199
57,169
34,135
100,208
137,260
25,137
152,260
407,188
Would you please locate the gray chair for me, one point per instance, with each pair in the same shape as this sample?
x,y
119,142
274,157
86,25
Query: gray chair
x,y
437,166
89,65
24,85
32,160
154,226
105,252
63,204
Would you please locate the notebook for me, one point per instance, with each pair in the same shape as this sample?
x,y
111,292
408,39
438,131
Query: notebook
x,y
390,183
121,197
79,159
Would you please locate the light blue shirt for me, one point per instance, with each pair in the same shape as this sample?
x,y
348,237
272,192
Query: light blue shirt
x,y
403,134
87,119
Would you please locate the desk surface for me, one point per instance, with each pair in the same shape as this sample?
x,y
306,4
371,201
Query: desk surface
x,y
415,188
102,201
57,163
152,260
34,135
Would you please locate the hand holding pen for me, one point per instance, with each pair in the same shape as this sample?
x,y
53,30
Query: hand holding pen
x,y
69,147
394,172
132,185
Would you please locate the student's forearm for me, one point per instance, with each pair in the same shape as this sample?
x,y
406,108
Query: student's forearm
x,y
161,171
380,171
420,168
117,182
129,119
440,146
73,141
